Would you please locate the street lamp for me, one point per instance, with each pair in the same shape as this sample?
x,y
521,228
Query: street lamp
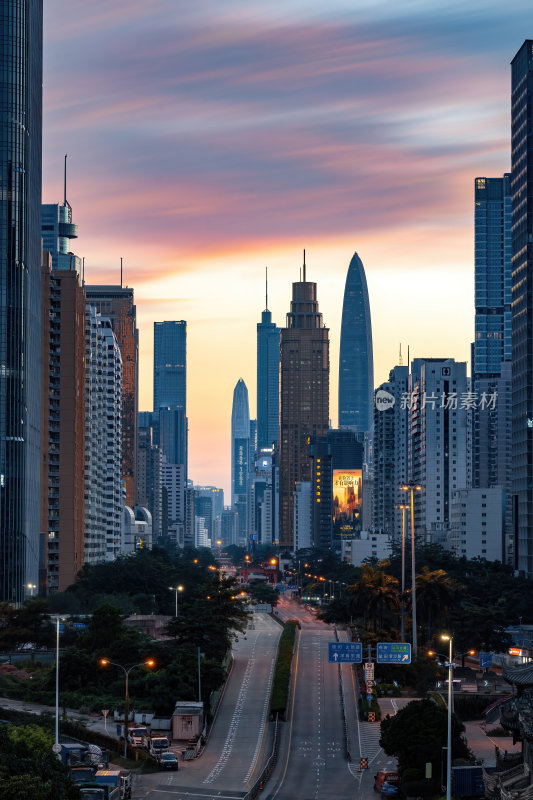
x,y
404,508
446,638
57,748
104,662
176,589
413,487
31,587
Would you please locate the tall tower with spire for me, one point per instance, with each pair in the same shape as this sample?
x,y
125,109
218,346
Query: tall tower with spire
x,y
57,230
267,378
356,361
304,413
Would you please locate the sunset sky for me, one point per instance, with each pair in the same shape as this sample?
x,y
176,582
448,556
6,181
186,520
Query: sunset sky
x,y
207,140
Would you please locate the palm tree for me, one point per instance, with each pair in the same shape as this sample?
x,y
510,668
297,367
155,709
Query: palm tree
x,y
374,594
435,592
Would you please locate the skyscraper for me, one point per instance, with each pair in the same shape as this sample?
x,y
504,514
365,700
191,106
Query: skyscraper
x,y
57,230
21,33
267,380
66,429
521,305
116,303
356,362
240,457
304,349
170,365
491,351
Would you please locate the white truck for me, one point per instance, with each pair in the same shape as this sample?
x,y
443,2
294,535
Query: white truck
x,y
158,745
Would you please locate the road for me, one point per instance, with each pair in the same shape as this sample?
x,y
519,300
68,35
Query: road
x,y
234,754
312,760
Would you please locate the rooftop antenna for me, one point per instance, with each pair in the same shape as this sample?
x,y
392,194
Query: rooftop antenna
x,y
65,183
121,272
400,360
266,288
304,265
83,271
408,362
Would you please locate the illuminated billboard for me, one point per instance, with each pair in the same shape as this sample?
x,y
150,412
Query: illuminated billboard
x,y
347,502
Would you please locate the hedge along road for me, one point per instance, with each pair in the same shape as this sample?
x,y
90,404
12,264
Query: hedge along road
x,y
234,754
311,761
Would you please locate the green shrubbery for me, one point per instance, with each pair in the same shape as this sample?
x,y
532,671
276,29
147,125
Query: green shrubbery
x,y
282,675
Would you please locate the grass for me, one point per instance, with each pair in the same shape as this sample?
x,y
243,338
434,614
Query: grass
x,y
282,674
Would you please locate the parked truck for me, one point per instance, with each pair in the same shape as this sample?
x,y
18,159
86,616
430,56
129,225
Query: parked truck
x,y
95,791
136,733
158,745
115,778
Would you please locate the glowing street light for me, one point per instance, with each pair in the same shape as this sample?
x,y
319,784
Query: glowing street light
x,y
104,662
413,487
176,589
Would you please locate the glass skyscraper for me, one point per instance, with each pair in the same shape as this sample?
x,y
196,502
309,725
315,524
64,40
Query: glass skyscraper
x,y
170,365
21,32
491,351
356,362
240,457
521,303
267,381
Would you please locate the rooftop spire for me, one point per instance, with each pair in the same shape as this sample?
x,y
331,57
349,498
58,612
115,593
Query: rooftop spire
x,y
304,265
266,288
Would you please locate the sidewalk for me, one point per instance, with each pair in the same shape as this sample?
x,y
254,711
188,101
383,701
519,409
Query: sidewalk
x,y
484,747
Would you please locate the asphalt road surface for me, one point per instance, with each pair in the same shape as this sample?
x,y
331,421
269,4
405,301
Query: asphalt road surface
x,y
234,754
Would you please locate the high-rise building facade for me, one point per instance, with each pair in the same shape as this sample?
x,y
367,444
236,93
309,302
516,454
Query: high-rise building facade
x,y
356,361
170,365
116,303
521,304
66,429
57,230
240,457
492,347
267,381
438,422
21,34
390,440
103,486
304,411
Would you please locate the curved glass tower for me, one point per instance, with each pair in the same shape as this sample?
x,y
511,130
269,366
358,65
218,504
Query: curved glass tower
x,y
356,362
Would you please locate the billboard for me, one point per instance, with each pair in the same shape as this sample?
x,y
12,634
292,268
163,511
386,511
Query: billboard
x,y
347,502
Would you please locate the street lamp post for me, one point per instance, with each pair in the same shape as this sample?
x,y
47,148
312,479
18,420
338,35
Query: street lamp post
x,y
176,589
104,662
56,744
413,487
31,587
450,696
404,508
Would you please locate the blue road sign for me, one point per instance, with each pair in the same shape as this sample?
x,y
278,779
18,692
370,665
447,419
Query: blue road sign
x,y
369,698
292,588
393,653
345,652
281,587
485,660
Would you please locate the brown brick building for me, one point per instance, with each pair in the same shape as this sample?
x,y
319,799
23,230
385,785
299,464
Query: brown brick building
x,y
304,409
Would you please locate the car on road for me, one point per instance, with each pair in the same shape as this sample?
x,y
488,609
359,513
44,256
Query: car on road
x,y
385,776
168,761
389,789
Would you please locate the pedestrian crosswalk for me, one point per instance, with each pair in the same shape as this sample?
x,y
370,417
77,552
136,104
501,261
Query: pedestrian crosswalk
x,y
370,733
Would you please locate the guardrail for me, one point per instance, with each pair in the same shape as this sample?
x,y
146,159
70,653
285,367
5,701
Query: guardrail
x,y
267,770
343,704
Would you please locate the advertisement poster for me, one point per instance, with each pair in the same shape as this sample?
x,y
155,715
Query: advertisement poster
x,y
347,501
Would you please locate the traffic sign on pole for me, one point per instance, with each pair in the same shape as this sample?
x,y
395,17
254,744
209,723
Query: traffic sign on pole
x,y
393,653
485,660
345,652
369,670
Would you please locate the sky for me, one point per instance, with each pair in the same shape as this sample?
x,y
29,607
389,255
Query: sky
x,y
209,140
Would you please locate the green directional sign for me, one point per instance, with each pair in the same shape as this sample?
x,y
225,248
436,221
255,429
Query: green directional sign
x,y
393,653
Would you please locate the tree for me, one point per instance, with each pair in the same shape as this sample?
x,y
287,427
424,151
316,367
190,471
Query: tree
x,y
26,774
435,592
263,592
417,734
375,594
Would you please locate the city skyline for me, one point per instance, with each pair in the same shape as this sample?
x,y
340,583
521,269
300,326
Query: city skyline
x,y
381,119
